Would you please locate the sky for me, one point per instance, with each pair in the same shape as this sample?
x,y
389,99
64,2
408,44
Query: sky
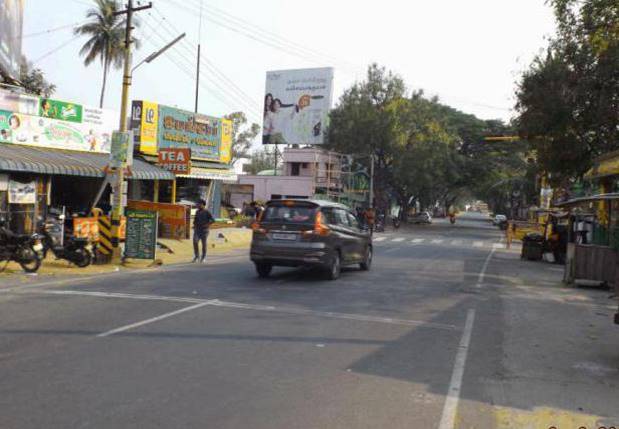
x,y
468,53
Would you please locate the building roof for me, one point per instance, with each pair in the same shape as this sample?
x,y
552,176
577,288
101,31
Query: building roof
x,y
606,165
31,159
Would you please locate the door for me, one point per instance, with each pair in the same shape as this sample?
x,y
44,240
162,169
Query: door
x,y
342,234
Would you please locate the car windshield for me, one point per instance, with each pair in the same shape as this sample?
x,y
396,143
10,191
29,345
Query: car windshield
x,y
289,214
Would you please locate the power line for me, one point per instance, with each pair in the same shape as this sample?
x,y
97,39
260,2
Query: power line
x,y
56,49
51,30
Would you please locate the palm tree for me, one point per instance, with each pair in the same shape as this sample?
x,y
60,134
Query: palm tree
x,y
106,33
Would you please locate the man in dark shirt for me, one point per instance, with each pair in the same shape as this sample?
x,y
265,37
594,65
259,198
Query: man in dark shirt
x,y
201,225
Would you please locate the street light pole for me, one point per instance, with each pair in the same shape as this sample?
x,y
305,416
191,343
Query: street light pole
x,y
372,180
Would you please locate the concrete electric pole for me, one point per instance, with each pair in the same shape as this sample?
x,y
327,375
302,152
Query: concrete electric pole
x,y
117,206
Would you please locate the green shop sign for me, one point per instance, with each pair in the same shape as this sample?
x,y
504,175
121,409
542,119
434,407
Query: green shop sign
x,y
62,110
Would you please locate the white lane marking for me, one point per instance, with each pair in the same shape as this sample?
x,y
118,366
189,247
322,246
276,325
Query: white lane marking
x,y
437,241
478,244
418,240
482,273
398,239
152,320
379,239
456,243
256,307
498,246
450,409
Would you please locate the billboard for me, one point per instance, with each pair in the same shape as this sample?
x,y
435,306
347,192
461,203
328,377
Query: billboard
x,y
62,110
11,19
92,134
296,106
182,129
144,120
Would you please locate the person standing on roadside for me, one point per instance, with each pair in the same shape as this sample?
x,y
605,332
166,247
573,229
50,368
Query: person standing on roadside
x,y
201,226
370,218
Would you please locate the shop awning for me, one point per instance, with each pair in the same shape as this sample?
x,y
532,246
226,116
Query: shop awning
x,y
589,199
30,159
605,166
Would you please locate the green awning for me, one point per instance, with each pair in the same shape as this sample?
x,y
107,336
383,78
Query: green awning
x,y
31,159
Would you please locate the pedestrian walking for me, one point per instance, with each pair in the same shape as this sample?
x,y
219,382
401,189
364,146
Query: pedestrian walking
x,y
201,226
370,218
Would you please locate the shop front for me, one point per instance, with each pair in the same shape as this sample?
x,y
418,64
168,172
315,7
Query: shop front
x,y
53,155
208,140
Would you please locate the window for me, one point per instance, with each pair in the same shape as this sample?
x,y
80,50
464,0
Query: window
x,y
352,220
304,165
295,169
341,217
289,214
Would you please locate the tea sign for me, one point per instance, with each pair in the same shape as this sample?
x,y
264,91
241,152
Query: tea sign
x,y
175,160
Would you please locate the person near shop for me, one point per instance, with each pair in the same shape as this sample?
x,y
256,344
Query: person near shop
x,y
201,226
370,218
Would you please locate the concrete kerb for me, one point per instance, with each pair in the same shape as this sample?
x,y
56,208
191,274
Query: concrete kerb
x,y
220,242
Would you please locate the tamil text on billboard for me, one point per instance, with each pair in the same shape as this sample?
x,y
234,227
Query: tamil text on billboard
x,y
296,106
11,19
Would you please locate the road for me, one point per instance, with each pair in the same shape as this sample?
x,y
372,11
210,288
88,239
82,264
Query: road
x,y
448,330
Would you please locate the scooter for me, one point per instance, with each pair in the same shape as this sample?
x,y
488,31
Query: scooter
x,y
75,250
21,248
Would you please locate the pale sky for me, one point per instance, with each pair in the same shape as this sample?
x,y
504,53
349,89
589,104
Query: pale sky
x,y
469,53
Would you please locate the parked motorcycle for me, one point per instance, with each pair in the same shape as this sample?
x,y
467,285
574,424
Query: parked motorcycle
x,y
21,248
75,250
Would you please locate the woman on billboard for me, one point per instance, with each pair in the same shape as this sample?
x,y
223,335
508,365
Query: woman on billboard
x,y
278,120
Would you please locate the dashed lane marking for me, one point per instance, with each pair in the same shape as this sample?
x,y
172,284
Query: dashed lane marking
x,y
437,241
398,239
418,240
379,239
456,243
478,244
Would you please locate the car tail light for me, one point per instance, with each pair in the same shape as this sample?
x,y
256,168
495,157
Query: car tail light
x,y
320,228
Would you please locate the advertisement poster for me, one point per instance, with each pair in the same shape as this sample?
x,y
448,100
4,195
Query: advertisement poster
x,y
225,150
183,129
144,120
122,149
62,110
297,105
11,21
93,134
22,193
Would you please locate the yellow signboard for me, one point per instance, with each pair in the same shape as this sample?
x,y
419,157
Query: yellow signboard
x,y
225,150
145,119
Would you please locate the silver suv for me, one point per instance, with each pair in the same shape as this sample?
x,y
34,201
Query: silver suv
x,y
322,234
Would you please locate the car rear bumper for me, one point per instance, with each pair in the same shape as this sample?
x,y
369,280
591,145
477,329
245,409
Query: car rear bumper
x,y
290,254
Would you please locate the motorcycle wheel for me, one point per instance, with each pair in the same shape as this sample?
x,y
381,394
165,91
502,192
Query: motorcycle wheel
x,y
82,258
29,260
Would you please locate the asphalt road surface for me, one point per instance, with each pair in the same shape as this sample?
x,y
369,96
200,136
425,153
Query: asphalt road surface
x,y
448,330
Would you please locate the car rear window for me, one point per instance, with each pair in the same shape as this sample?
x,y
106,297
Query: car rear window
x,y
289,214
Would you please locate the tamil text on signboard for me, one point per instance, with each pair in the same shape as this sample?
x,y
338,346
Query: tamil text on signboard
x,y
141,235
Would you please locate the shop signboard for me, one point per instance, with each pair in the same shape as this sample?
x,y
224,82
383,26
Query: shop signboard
x,y
144,121
22,193
92,134
184,129
11,21
63,110
172,217
141,235
296,106
175,160
225,150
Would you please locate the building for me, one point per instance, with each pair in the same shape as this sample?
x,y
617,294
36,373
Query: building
x,y
53,154
308,173
209,140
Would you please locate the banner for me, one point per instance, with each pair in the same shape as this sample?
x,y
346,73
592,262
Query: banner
x,y
22,193
93,134
62,110
11,21
297,105
144,121
225,150
122,149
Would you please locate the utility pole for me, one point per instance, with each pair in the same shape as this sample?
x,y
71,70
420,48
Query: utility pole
x,y
198,62
117,207
372,180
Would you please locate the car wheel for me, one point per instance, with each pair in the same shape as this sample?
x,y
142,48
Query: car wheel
x,y
367,262
335,268
264,270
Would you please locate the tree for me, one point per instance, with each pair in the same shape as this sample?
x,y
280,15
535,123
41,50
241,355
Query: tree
x,y
260,160
106,38
569,98
242,136
34,82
